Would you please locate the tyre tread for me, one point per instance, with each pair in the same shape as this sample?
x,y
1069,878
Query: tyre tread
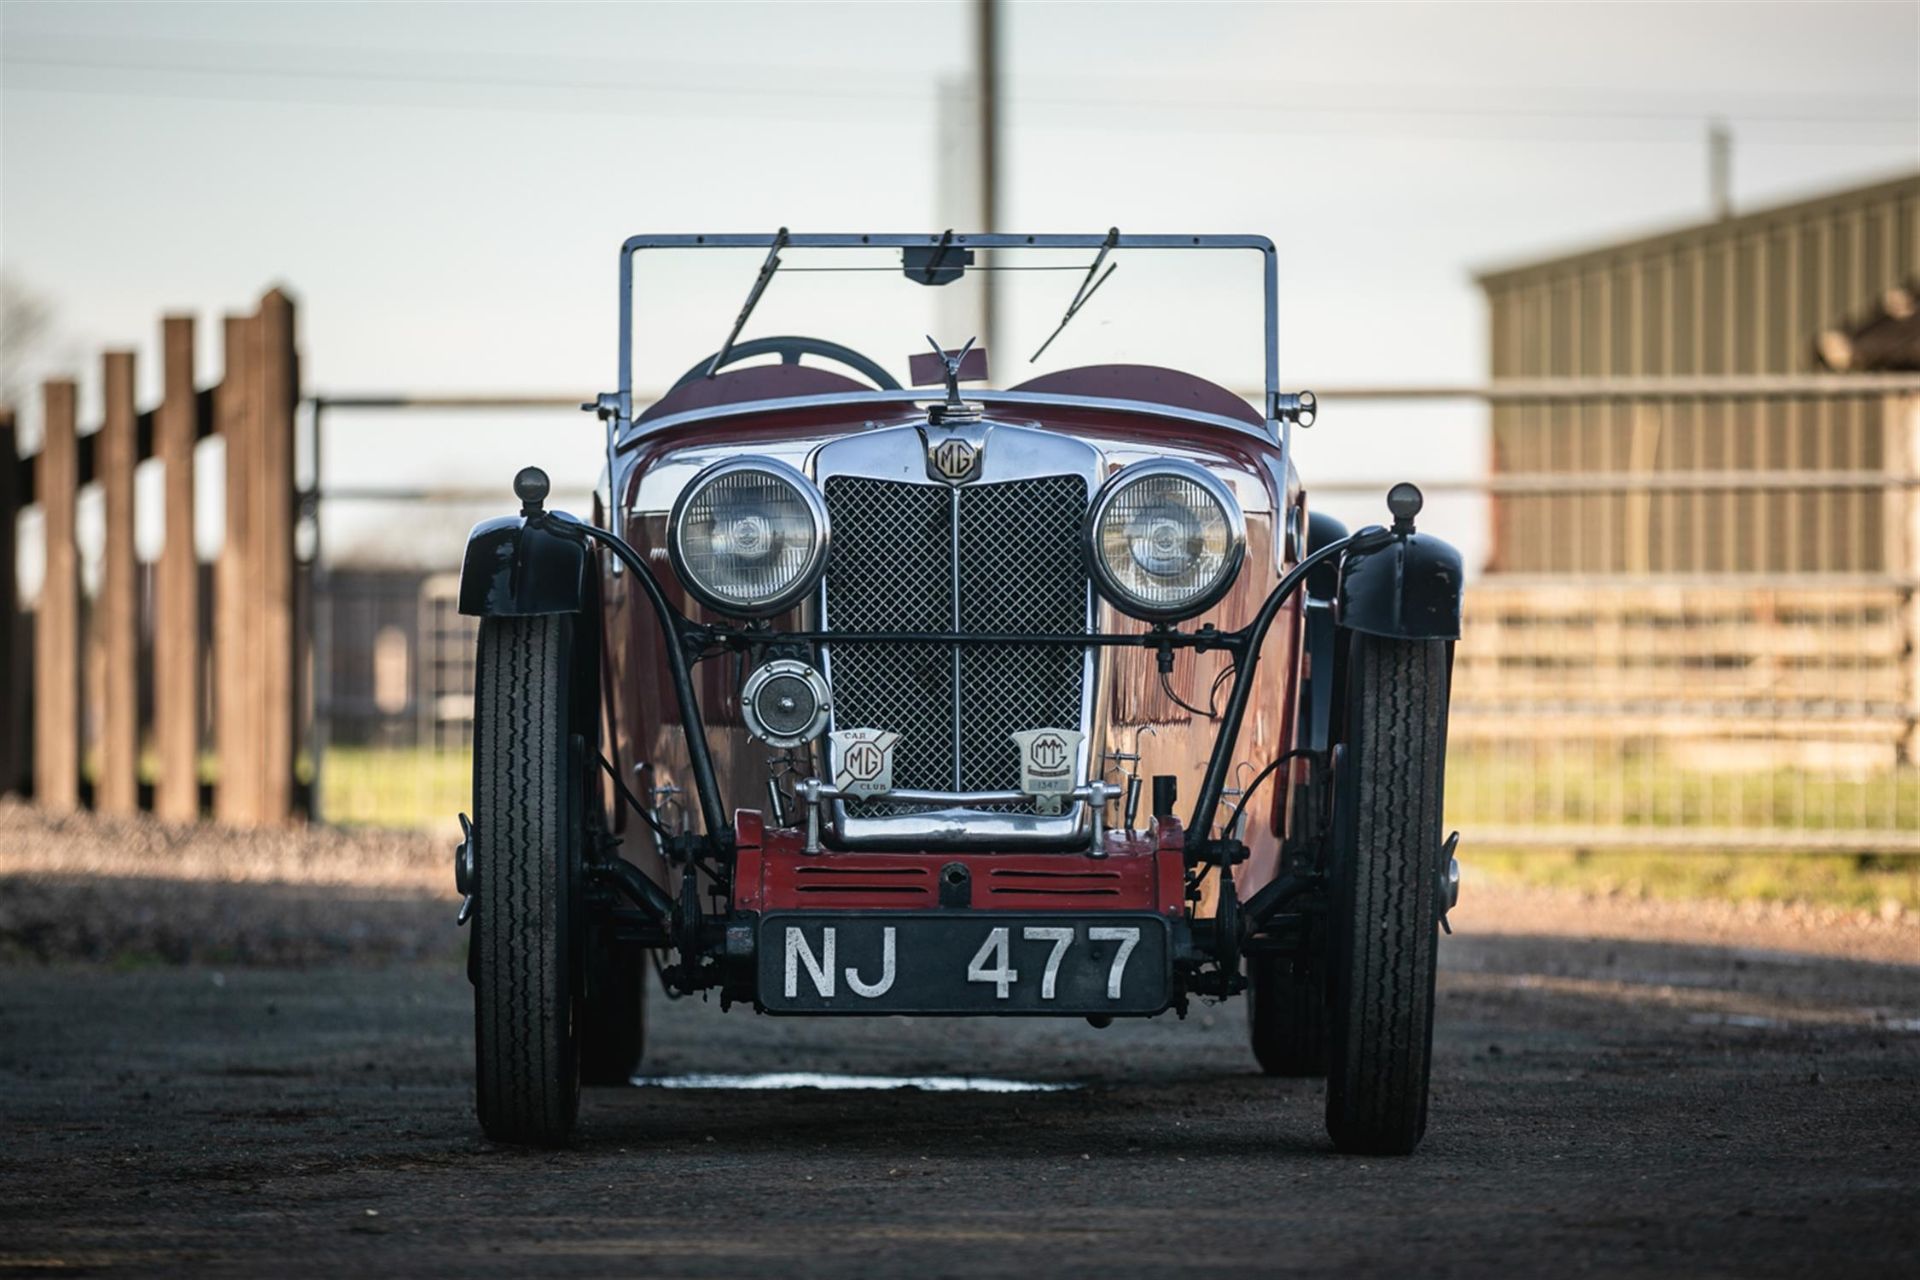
x,y
526,1069
1383,1025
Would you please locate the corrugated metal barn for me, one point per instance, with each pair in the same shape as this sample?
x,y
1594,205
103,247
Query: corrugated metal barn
x,y
1704,541
1751,295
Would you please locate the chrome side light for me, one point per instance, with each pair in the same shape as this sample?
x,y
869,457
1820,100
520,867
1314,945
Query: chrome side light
x,y
785,703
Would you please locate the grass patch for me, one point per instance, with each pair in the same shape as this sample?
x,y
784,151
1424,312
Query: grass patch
x,y
417,789
403,788
1854,882
1655,789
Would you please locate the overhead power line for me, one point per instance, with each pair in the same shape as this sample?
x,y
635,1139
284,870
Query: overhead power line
x,y
1440,106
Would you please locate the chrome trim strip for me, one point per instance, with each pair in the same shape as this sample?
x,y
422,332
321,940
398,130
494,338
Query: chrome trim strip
x,y
910,239
953,618
907,398
830,792
960,828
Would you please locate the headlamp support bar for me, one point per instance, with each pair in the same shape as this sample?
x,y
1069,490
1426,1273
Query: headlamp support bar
x,y
679,632
673,626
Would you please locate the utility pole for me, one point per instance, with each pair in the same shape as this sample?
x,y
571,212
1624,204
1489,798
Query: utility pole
x,y
959,308
1720,168
987,74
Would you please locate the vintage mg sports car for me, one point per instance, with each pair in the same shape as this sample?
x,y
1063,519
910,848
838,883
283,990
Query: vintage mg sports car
x,y
846,698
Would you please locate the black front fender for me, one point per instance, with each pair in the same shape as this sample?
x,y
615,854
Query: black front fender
x,y
1408,588
1323,583
516,567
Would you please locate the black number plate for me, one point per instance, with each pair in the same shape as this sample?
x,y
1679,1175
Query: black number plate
x,y
977,963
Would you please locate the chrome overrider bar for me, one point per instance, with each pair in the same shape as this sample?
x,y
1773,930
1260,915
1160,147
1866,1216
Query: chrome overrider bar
x,y
1098,795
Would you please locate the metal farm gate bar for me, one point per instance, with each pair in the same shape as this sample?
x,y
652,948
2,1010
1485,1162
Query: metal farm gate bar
x,y
1680,645
1697,624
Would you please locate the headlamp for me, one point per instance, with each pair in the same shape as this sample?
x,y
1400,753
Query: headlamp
x,y
748,537
1164,539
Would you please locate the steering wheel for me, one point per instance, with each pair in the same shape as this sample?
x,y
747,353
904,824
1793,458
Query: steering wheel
x,y
790,350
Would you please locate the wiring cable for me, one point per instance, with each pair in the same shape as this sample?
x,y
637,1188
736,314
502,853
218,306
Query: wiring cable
x,y
1194,882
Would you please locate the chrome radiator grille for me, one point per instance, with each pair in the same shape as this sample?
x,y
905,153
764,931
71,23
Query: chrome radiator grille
x,y
981,558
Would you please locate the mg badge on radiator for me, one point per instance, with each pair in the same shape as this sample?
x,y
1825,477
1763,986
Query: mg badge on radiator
x,y
955,458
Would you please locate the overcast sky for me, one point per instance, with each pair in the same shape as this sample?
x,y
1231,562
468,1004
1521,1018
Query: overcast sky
x,y
443,187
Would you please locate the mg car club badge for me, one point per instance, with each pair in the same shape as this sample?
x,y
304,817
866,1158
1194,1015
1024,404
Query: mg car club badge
x,y
1047,758
863,761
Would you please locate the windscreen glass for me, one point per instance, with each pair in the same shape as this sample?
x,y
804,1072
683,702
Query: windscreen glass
x,y
1199,311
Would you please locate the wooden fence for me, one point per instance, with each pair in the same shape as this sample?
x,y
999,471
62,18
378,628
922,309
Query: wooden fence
x,y
225,678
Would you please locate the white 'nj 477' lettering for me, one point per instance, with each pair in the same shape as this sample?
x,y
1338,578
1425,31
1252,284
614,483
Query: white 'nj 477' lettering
x,y
991,964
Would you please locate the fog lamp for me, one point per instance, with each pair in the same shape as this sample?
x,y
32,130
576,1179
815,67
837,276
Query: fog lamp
x,y
785,703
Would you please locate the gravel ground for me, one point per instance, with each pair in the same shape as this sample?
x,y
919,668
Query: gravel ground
x,y
133,891
1619,1088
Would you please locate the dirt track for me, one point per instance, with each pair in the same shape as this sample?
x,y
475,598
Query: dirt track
x,y
1601,1104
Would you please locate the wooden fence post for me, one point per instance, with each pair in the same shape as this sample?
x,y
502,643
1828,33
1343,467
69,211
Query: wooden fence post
x,y
274,384
176,619
236,696
13,688
56,720
118,788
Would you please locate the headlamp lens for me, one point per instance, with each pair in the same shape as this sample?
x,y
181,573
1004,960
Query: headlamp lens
x,y
1166,543
748,539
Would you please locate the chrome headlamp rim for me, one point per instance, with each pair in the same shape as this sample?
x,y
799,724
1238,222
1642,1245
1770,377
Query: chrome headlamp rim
x,y
1112,590
810,573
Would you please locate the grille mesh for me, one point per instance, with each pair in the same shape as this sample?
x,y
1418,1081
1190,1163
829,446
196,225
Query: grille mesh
x,y
1021,571
892,569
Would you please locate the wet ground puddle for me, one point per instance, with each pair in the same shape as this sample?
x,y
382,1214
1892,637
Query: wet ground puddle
x,y
767,1080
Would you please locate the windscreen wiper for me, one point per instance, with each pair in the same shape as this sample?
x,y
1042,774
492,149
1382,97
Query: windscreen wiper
x,y
1087,286
767,268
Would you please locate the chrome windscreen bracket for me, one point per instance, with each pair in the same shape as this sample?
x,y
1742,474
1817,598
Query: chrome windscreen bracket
x,y
1297,408
613,408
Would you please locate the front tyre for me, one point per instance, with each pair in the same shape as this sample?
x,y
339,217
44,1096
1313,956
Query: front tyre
x,y
527,805
1385,918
